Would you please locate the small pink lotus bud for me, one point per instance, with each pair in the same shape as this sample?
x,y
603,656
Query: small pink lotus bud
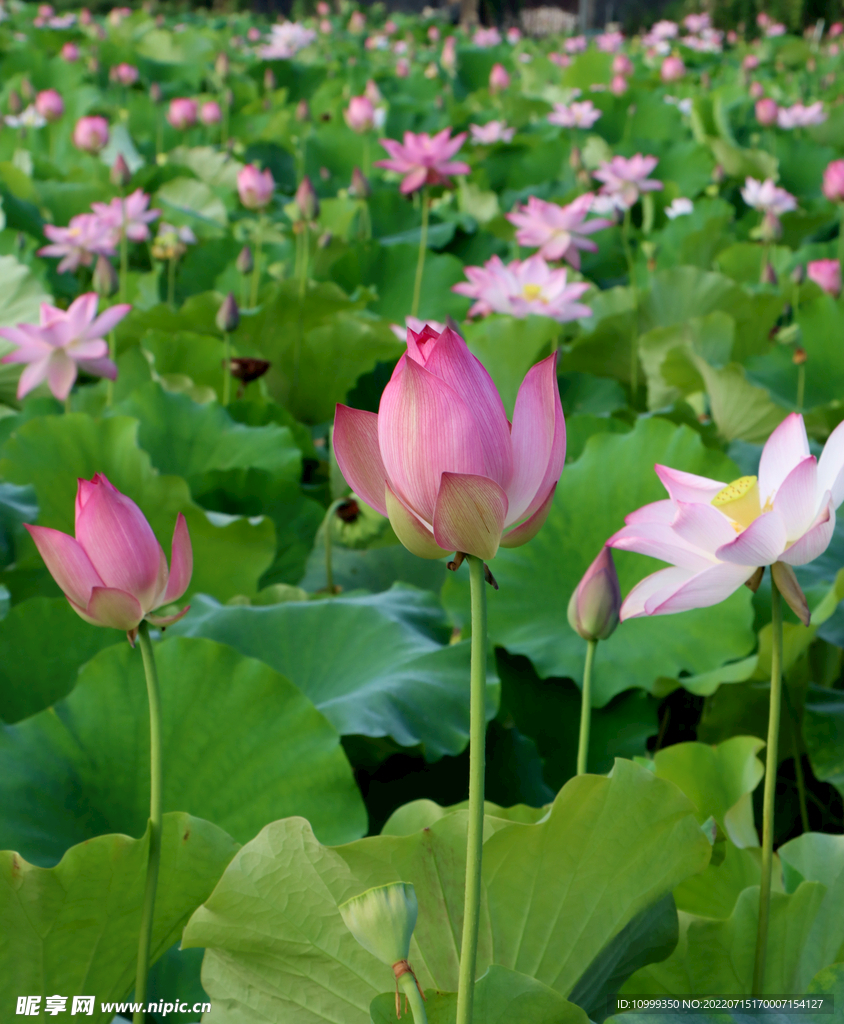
x,y
618,85
255,187
90,134
126,74
373,93
155,92
827,274
120,174
672,69
595,605
228,315
622,65
306,199
769,275
69,52
105,280
798,275
360,187
253,35
433,34
269,80
732,37
448,58
833,181
402,67
357,23
244,261
182,113
49,104
360,114
498,78
210,113
303,111
756,90
323,9
766,111
750,62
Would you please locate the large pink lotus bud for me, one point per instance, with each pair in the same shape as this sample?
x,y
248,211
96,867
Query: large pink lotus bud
x,y
596,602
441,459
114,573
360,114
766,111
498,78
49,104
833,181
827,274
672,69
618,85
210,113
182,113
622,65
91,134
255,187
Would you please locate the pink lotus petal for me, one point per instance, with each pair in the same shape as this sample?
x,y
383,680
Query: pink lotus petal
x,y
68,563
106,321
688,486
87,350
80,312
663,511
167,620
416,179
61,373
712,586
358,455
665,581
761,543
110,607
181,562
702,526
469,515
410,530
33,375
99,367
796,499
831,465
784,449
527,530
816,539
658,540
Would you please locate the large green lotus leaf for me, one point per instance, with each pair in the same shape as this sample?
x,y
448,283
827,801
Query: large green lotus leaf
x,y
192,202
372,569
241,746
555,894
20,297
501,997
17,506
667,355
375,665
73,928
419,814
823,732
508,348
741,410
614,476
51,452
43,644
197,314
318,346
718,780
713,893
210,165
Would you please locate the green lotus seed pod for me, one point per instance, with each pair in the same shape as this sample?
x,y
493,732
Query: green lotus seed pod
x,y
382,920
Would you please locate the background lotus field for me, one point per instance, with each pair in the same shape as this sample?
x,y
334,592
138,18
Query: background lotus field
x,y
317,692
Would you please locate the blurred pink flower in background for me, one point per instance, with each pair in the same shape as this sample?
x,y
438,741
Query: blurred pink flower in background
x,y
84,238
750,62
491,132
424,159
766,111
767,197
625,179
402,67
210,113
69,52
448,57
63,342
440,457
576,44
91,134
558,231
513,35
182,113
357,22
498,78
131,212
49,104
799,116
574,115
622,65
618,85
560,59
125,74
362,115
672,69
523,288
827,274
255,188
833,181
756,90
486,37
609,42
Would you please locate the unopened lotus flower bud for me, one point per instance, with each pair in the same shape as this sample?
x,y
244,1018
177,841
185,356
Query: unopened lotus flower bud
x,y
306,200
228,315
210,113
105,281
244,261
798,275
756,90
221,64
303,111
827,274
382,920
15,103
595,605
49,104
498,78
622,65
766,111
360,187
618,85
718,174
155,92
120,174
182,113
769,275
255,187
672,69
324,240
783,575
269,80
91,134
833,181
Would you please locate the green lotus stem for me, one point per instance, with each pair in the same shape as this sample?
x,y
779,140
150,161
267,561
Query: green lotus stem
x,y
124,251
841,238
801,386
67,408
586,708
631,271
475,837
155,819
798,774
367,158
326,526
407,984
224,127
306,256
227,377
256,266
770,792
420,263
171,282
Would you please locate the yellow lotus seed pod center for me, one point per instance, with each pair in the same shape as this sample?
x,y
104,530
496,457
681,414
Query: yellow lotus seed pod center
x,y
532,291
740,500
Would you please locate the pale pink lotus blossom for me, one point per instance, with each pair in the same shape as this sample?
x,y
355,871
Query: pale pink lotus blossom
x,y
767,197
513,35
255,188
833,181
441,459
827,274
697,22
665,30
486,37
557,231
716,534
523,288
625,179
210,113
362,115
499,78
286,40
618,85
775,29
750,62
424,159
574,115
182,113
131,213
49,104
672,69
799,116
767,111
85,237
28,118
63,342
491,132
560,59
448,57
69,52
679,207
125,74
114,572
609,42
400,47
413,323
90,134
622,65
576,44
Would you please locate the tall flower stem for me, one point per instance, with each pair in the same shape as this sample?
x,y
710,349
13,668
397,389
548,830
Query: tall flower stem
x,y
155,819
326,526
171,282
256,265
423,246
407,984
227,377
770,792
586,708
475,838
634,339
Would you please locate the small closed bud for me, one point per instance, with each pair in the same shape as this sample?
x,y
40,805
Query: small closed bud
x,y
595,605
382,920
306,200
221,65
155,92
105,280
786,582
15,102
269,80
303,111
244,261
575,159
360,187
798,275
324,240
718,174
228,315
120,174
769,275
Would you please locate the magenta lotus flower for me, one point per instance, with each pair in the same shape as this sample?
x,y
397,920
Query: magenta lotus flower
x,y
625,179
833,181
441,459
558,231
522,288
766,111
424,159
827,274
114,573
490,133
91,134
63,342
182,113
574,115
84,238
49,104
361,115
131,213
255,187
413,323
69,52
499,79
716,535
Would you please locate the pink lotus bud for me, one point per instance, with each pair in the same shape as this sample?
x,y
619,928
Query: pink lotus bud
x,y
45,11
732,37
126,74
618,85
756,90
120,174
595,605
269,80
373,93
750,62
253,35
672,69
91,134
182,113
433,34
221,64
833,181
303,111
49,104
326,27
323,9
390,27
255,187
357,23
155,92
114,573
306,200
622,65
244,261
766,111
448,58
69,52
498,78
402,67
827,274
359,187
360,114
228,315
210,113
